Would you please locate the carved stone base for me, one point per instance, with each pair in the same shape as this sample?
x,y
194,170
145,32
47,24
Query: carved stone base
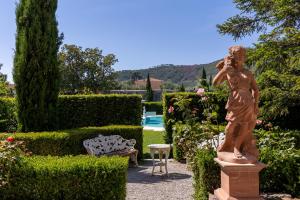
x,y
239,181
229,157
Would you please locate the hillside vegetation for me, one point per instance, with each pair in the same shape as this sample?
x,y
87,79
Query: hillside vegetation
x,y
186,74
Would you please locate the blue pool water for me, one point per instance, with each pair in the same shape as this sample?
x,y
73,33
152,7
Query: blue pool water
x,y
153,121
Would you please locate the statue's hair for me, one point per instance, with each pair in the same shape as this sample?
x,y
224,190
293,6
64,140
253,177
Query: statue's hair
x,y
237,48
220,64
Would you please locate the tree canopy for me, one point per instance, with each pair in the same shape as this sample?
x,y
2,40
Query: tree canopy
x,y
276,56
86,70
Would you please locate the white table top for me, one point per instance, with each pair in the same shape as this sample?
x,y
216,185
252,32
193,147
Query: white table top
x,y
159,146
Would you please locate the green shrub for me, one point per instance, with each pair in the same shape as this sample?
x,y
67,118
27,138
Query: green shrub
x,y
279,150
153,107
218,101
206,174
70,177
8,114
83,110
69,142
98,110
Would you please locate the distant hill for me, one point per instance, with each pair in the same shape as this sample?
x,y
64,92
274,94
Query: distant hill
x,y
186,74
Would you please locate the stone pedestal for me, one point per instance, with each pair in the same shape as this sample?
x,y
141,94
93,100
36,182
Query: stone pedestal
x,y
239,181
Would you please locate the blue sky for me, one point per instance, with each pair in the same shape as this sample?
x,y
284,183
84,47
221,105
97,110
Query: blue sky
x,y
142,33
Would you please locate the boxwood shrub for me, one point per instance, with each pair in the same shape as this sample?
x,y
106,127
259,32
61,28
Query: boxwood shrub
x,y
153,107
70,177
206,174
69,142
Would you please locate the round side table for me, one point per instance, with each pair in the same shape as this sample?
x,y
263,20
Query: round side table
x,y
160,149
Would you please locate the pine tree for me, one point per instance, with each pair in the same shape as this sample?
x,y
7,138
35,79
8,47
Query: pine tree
x,y
149,91
36,72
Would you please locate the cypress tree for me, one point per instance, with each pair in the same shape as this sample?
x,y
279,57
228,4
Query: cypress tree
x,y
203,81
210,80
36,72
203,74
149,91
181,88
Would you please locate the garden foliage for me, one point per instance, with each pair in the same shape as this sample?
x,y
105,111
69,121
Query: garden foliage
x,y
190,110
8,114
69,177
69,142
278,149
36,73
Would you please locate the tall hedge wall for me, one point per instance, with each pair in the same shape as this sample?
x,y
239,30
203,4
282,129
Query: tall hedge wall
x,y
169,99
98,110
87,110
153,107
69,178
69,142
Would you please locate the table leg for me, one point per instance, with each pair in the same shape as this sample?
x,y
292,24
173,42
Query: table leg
x,y
160,160
166,162
153,161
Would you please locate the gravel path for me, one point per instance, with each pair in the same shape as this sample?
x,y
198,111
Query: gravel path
x,y
141,185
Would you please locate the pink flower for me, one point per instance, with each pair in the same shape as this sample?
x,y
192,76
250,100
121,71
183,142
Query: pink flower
x,y
10,139
171,109
258,122
204,98
200,92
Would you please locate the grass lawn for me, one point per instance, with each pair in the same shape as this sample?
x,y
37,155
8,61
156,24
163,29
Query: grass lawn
x,y
151,137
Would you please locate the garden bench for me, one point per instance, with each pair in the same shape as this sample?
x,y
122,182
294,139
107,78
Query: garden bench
x,y
111,145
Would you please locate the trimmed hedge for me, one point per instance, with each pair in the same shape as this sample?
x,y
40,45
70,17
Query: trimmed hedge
x,y
69,142
75,111
170,119
70,177
206,174
98,110
153,107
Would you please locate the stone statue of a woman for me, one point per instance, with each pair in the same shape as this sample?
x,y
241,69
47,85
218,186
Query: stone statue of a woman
x,y
239,145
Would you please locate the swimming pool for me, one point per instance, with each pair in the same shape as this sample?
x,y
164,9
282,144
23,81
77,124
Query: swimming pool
x,y
153,121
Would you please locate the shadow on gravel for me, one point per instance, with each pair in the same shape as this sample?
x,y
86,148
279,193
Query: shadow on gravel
x,y
142,174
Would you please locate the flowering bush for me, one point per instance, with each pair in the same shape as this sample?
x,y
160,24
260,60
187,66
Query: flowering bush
x,y
10,154
198,125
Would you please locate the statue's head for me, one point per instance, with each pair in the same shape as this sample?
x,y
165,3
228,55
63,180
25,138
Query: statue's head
x,y
239,55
